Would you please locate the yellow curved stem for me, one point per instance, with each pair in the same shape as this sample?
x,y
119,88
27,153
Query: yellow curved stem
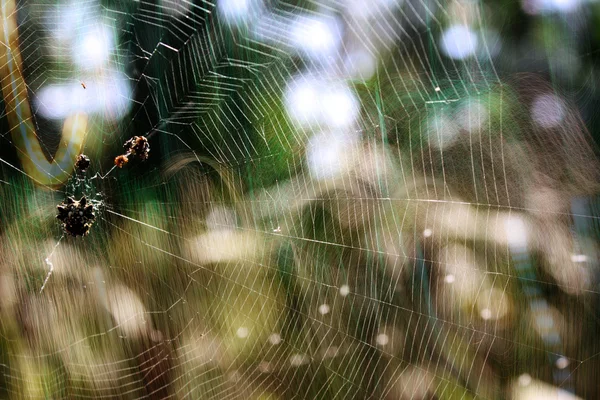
x,y
34,161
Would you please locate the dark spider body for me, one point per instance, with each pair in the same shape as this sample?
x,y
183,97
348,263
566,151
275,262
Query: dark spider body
x,y
77,217
82,163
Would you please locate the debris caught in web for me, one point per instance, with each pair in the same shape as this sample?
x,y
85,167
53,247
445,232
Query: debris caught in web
x,y
121,160
77,217
82,163
137,146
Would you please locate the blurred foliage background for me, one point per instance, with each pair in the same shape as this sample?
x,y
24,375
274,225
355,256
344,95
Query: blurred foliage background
x,y
343,199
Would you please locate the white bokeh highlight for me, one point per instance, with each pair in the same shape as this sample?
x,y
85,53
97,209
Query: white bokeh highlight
x,y
516,233
275,339
459,42
524,380
324,309
110,97
472,115
93,48
362,9
360,64
344,290
328,154
535,7
242,332
562,363
237,12
313,101
485,314
64,21
297,360
441,129
316,37
547,110
382,339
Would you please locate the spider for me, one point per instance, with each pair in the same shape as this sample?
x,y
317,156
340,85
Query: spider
x,y
77,217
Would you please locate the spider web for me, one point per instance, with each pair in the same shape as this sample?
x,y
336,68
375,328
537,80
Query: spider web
x,y
342,200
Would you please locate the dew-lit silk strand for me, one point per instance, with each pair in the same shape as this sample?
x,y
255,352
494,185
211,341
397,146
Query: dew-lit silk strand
x,y
22,128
